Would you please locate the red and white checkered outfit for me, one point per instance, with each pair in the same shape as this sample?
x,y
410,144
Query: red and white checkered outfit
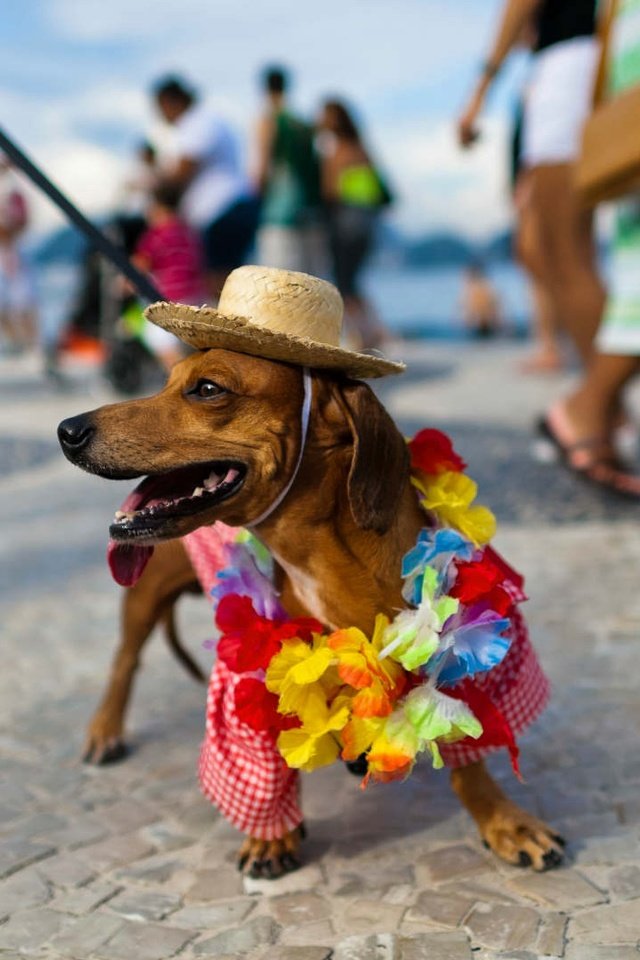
x,y
241,770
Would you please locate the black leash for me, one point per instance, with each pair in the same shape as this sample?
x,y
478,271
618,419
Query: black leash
x,y
96,237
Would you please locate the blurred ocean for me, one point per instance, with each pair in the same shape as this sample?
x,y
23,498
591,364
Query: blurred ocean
x,y
413,302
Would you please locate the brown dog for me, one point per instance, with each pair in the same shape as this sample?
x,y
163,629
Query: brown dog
x,y
339,536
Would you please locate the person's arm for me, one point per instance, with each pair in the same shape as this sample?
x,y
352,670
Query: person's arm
x,y
513,20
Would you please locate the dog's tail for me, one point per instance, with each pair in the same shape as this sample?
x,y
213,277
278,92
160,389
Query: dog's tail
x,y
168,621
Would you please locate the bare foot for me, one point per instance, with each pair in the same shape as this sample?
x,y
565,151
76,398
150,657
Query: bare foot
x,y
513,834
542,362
268,859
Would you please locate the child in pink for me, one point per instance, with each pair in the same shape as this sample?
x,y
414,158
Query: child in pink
x,y
171,252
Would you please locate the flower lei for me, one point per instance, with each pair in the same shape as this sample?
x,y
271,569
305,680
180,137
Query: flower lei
x,y
404,690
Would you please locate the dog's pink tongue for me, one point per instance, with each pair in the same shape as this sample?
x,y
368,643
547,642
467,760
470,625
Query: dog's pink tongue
x,y
127,561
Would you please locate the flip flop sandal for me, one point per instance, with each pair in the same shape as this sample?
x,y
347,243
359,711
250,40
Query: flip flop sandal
x,y
605,472
548,448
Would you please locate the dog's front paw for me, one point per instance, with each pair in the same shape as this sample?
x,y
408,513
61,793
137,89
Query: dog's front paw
x,y
268,859
104,743
520,838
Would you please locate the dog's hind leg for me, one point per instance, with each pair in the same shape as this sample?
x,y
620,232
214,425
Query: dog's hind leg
x,y
513,834
168,574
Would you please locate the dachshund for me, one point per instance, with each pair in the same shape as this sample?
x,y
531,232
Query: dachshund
x,y
338,536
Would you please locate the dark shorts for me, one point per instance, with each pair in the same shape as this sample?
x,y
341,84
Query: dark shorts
x,y
351,237
228,239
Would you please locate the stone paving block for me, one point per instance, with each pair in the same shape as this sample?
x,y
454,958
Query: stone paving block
x,y
144,941
86,936
307,878
155,869
503,926
371,947
39,826
445,909
618,923
29,929
563,889
371,916
282,952
583,951
449,862
65,870
165,837
22,890
613,849
116,851
552,935
18,853
219,884
221,914
435,946
296,908
403,893
125,816
85,899
238,941
82,829
309,934
624,882
144,904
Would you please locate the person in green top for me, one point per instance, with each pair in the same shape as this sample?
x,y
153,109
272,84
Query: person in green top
x,y
353,193
290,235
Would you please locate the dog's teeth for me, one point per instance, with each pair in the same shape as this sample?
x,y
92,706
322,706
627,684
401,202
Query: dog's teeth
x,y
230,475
119,515
212,481
198,492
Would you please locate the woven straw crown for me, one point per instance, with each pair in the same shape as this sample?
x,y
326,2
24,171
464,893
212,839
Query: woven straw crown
x,y
276,314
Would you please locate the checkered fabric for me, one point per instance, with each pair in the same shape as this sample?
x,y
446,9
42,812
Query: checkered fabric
x,y
243,774
241,771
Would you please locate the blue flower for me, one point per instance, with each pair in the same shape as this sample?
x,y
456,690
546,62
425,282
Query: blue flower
x,y
470,648
433,545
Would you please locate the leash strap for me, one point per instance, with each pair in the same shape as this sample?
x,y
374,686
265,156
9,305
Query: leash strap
x,y
144,286
307,383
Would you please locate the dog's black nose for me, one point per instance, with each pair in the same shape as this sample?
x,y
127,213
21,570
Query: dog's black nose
x,y
75,433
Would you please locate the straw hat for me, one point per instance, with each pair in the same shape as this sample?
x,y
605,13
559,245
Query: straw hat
x,y
277,314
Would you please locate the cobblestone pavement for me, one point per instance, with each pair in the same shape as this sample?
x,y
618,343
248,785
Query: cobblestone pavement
x,y
130,863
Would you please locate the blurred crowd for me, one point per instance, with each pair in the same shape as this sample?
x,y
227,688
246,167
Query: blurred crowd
x,y
190,212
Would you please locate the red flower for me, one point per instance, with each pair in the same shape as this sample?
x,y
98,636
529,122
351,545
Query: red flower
x,y
432,452
249,641
481,580
258,708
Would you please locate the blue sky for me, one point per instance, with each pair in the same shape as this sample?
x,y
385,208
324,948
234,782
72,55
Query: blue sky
x,y
75,75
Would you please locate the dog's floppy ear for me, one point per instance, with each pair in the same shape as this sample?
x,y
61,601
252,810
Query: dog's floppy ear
x,y
380,461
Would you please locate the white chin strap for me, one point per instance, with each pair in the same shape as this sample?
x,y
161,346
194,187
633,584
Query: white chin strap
x,y
307,384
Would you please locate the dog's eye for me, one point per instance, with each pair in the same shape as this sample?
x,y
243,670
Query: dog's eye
x,y
207,390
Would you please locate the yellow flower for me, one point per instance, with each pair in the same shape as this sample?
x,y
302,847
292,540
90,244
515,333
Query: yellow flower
x,y
296,674
378,682
314,744
358,735
450,495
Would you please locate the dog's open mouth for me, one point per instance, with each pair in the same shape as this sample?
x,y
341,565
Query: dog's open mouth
x,y
151,510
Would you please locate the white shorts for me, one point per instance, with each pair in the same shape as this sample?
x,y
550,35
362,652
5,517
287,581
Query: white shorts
x,y
558,101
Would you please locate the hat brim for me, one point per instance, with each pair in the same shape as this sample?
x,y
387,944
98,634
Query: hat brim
x,y
207,328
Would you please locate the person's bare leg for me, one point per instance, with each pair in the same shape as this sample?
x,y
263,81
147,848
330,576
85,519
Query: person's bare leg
x,y
546,356
565,254
593,408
